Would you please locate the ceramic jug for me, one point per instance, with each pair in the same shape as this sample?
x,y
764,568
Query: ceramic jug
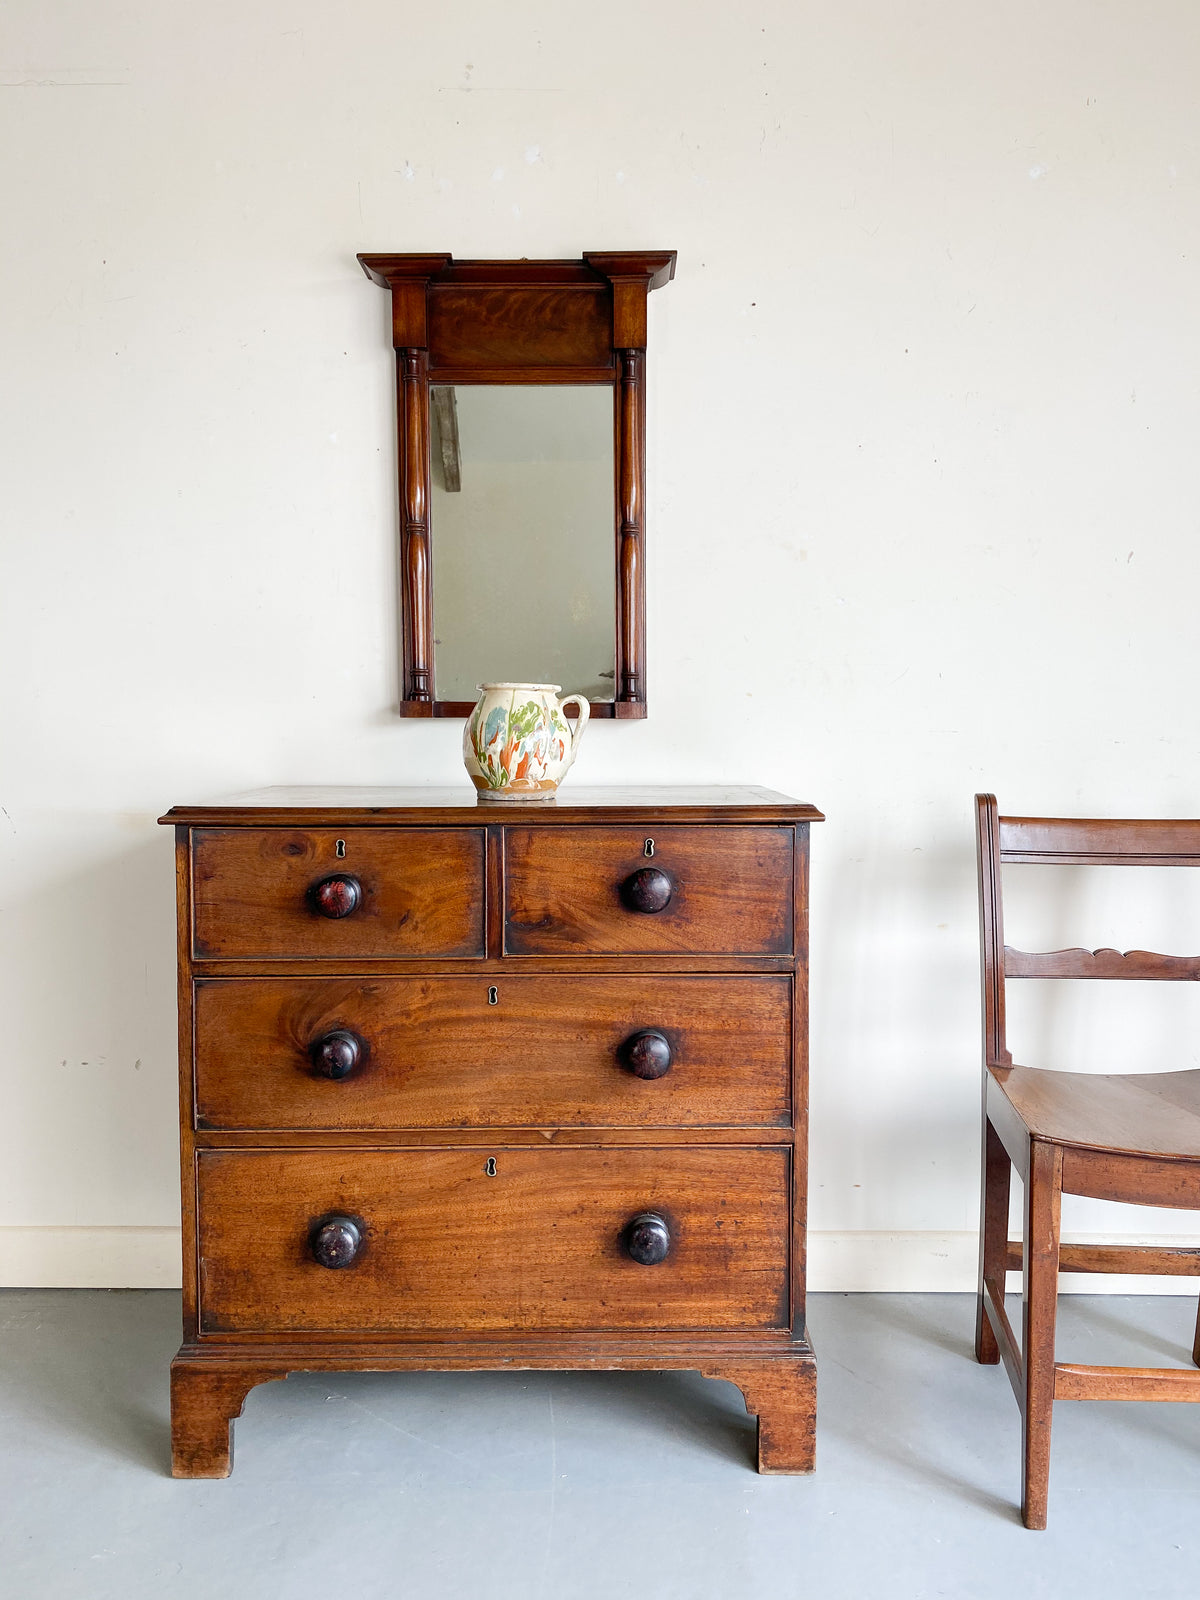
x,y
517,744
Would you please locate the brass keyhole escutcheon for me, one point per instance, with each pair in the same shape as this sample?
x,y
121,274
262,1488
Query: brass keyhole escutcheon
x,y
493,996
648,848
489,1166
339,848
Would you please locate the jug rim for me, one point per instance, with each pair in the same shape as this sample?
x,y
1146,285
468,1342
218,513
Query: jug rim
x,y
552,688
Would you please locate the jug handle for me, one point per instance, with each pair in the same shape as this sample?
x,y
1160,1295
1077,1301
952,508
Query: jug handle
x,y
585,712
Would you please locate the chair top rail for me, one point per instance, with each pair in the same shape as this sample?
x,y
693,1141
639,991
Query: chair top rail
x,y
1105,963
1101,841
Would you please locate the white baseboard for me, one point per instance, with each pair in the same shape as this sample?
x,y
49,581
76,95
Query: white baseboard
x,y
840,1263
89,1258
947,1263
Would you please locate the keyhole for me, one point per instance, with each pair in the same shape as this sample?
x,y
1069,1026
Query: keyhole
x,y
648,849
493,996
489,1166
339,848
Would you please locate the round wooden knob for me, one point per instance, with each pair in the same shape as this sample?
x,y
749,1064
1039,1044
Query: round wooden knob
x,y
336,1242
647,889
337,1053
647,1054
647,1239
337,896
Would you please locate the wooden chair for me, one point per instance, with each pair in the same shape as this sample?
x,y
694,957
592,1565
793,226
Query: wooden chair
x,y
1113,1137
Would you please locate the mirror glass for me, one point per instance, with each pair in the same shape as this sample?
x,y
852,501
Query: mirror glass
x,y
522,535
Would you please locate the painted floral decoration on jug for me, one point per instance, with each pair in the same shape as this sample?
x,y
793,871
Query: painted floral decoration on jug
x,y
517,744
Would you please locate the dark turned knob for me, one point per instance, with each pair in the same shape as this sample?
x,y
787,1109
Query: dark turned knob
x,y
336,1242
337,896
647,889
647,1239
647,1054
337,1053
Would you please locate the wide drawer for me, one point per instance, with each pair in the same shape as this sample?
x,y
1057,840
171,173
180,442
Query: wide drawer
x,y
648,891
476,1240
257,893
520,1052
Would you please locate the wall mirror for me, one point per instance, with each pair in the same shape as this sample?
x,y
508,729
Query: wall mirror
x,y
521,454
521,534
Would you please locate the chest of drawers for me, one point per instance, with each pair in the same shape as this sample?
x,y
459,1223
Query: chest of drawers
x,y
470,1087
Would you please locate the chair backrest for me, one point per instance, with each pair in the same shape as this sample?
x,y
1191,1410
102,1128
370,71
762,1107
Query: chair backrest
x,y
1066,841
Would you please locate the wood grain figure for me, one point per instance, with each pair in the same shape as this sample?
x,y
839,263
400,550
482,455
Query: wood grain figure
x,y
439,1052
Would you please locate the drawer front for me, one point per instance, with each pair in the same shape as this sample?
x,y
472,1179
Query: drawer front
x,y
447,1247
522,1052
702,891
258,893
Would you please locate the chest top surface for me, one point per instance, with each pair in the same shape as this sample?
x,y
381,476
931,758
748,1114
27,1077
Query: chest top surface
x,y
320,805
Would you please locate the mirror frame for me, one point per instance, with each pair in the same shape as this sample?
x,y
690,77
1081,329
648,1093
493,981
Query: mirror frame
x,y
520,322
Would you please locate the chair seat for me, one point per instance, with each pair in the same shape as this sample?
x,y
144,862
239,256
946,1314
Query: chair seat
x,y
1151,1114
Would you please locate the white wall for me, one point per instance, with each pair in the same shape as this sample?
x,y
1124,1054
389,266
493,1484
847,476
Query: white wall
x,y
929,373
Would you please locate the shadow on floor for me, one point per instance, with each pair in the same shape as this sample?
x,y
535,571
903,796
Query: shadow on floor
x,y
94,1364
869,1403
697,1414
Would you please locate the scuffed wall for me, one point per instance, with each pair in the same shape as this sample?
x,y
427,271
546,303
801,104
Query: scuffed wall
x,y
923,503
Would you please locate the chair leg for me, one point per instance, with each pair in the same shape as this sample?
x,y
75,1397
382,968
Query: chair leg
x,y
1043,1207
996,1180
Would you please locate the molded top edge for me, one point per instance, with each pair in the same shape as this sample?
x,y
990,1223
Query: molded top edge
x,y
322,804
655,266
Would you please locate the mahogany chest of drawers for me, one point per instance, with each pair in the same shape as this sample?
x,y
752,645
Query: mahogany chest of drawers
x,y
477,1086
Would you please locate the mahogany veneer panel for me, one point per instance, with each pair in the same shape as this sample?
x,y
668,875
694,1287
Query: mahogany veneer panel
x,y
440,1053
422,892
536,1246
731,891
513,326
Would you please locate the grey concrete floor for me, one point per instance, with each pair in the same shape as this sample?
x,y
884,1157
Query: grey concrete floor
x,y
590,1486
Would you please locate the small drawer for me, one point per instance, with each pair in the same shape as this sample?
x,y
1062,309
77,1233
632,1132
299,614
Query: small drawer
x,y
272,894
520,1051
493,1240
648,891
